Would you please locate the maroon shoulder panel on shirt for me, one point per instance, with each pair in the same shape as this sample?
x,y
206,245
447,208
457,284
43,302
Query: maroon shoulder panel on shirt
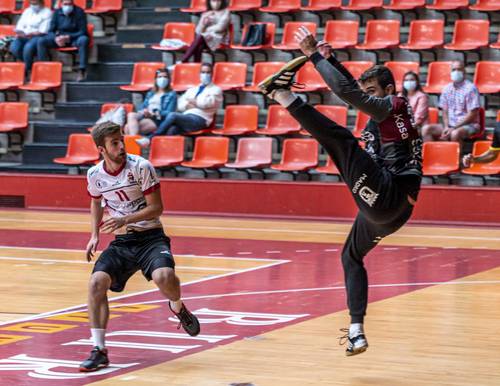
x,y
398,126
151,189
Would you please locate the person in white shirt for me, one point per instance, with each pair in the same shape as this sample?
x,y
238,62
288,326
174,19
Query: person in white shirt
x,y
197,108
33,24
128,186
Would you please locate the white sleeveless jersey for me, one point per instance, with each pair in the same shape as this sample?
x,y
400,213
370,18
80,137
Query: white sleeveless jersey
x,y
124,191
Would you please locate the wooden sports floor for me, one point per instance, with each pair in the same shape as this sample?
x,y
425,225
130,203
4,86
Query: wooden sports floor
x,y
270,297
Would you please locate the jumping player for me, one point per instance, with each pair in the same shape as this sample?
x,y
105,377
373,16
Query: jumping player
x,y
384,179
128,186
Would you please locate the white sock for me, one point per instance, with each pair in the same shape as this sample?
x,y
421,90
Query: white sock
x,y
356,329
176,305
98,335
284,97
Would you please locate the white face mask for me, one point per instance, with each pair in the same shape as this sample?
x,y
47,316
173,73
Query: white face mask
x,y
162,82
35,8
67,9
410,85
457,76
205,78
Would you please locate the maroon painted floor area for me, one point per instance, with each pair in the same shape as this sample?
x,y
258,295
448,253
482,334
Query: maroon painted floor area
x,y
147,338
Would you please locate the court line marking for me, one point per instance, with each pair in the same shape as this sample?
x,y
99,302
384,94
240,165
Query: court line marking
x,y
83,307
280,230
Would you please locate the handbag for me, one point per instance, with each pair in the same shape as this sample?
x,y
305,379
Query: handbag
x,y
255,36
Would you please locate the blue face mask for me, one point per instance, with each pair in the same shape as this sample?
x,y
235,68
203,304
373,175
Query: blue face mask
x,y
35,8
162,83
205,78
67,9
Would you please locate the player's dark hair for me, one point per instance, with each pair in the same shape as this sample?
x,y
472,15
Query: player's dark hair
x,y
381,73
222,6
103,130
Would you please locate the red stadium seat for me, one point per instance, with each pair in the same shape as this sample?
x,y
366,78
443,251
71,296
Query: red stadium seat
x,y
268,41
322,5
239,120
399,69
360,123
440,158
279,122
229,75
337,114
209,152
448,5
186,75
425,35
7,7
261,71
469,35
310,77
181,31
341,34
433,115
244,5
438,76
105,6
479,168
288,41
11,75
486,6
298,155
131,146
328,168
253,153
356,68
105,107
487,77
402,5
166,151
13,116
143,76
197,6
282,6
380,34
363,5
81,150
7,30
45,76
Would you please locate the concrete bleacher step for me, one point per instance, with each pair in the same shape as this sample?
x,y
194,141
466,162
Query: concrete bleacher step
x,y
49,168
162,15
151,34
57,131
127,53
42,152
74,111
110,72
95,92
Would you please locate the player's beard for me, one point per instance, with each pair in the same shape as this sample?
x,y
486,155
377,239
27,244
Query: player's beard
x,y
118,159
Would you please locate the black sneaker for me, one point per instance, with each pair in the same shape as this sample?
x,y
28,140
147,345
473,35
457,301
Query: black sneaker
x,y
283,79
98,359
355,345
188,321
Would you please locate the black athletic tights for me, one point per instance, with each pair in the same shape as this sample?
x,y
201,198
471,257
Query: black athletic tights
x,y
382,201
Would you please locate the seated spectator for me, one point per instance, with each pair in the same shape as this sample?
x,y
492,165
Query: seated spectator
x,y
460,105
419,101
159,103
31,26
212,30
68,27
197,107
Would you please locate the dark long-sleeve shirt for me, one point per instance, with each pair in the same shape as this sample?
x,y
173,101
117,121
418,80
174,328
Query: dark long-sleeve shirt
x,y
74,25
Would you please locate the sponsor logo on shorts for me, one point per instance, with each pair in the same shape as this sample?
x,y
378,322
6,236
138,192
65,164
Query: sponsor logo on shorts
x,y
368,195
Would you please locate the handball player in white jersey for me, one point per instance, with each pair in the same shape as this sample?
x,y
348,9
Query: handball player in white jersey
x,y
128,187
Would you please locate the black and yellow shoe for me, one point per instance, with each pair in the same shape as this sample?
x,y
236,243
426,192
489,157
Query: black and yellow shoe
x,y
355,344
283,79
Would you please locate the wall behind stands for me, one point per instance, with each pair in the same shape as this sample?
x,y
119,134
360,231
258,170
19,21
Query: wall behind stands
x,y
308,200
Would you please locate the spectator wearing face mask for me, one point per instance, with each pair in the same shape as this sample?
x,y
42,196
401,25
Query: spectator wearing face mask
x,y
68,28
197,108
158,104
419,101
32,25
460,104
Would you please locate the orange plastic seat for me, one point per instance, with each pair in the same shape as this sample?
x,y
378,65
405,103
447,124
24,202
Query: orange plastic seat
x,y
105,6
166,151
402,5
45,76
131,146
7,7
356,68
261,71
143,76
486,6
81,150
7,30
496,44
288,40
311,78
186,75
253,153
239,120
360,123
380,34
425,35
105,107
482,169
487,77
438,76
298,155
469,35
90,34
181,31
362,5
433,115
282,6
244,5
440,158
337,114
13,116
328,168
268,41
341,34
279,122
11,75
209,152
399,69
196,6
229,75
448,5
322,5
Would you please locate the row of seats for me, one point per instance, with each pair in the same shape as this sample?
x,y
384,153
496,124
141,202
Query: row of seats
x,y
298,155
286,6
8,7
232,76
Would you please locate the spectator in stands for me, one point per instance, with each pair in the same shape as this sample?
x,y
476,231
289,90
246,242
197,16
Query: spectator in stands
x,y
68,27
197,108
159,103
419,101
460,105
212,30
31,26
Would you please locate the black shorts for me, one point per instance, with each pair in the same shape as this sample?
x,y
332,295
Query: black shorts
x,y
147,251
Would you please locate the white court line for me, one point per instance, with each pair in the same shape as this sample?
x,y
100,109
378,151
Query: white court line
x,y
82,307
